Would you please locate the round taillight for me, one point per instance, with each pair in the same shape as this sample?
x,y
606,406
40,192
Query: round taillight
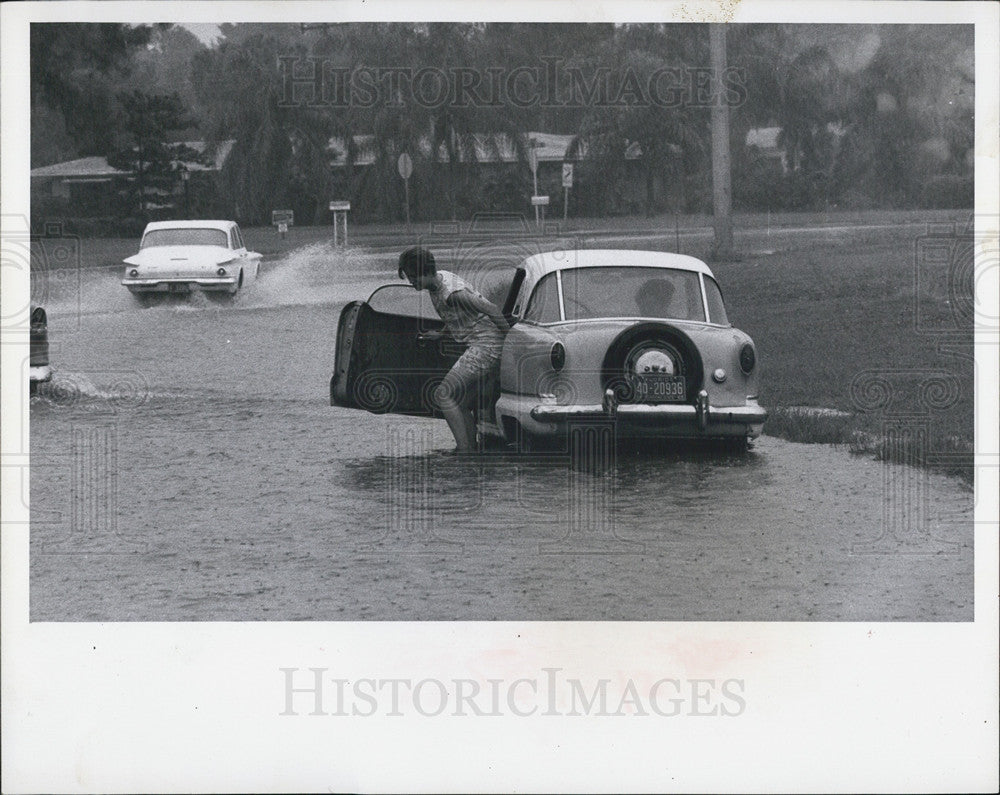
x,y
558,356
748,358
134,272
221,271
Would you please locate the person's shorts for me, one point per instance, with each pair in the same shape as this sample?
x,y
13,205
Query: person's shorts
x,y
473,368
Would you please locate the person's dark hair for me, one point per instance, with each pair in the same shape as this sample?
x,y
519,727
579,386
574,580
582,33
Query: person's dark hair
x,y
416,262
654,295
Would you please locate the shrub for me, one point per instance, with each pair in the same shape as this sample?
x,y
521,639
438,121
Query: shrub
x,y
947,192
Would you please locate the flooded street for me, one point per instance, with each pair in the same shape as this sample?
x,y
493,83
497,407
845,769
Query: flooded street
x,y
188,466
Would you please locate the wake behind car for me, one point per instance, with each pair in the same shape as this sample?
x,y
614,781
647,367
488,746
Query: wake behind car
x,y
182,256
636,339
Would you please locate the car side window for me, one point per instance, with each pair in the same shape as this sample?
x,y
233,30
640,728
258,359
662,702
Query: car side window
x,y
716,307
403,300
543,306
239,238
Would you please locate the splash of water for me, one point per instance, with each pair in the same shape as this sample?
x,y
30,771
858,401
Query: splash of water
x,y
313,274
318,274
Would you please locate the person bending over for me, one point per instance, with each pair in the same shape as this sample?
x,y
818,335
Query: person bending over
x,y
471,320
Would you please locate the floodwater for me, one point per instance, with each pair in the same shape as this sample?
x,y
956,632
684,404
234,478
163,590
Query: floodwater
x,y
186,465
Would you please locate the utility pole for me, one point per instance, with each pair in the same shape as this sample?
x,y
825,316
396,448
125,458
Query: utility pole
x,y
721,164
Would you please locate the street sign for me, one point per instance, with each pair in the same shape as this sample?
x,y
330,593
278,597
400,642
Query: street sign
x,y
405,166
340,211
282,217
567,175
539,201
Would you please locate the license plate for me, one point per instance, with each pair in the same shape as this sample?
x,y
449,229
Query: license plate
x,y
660,389
177,288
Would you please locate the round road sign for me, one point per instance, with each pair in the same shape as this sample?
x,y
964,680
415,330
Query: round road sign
x,y
405,166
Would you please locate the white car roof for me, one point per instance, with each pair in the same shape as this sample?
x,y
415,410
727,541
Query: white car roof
x,y
223,226
539,265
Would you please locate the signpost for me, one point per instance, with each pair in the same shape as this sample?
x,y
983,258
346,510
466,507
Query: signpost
x,y
533,163
405,166
340,211
281,220
567,183
539,202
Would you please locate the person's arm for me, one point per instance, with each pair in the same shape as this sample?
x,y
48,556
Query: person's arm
x,y
467,300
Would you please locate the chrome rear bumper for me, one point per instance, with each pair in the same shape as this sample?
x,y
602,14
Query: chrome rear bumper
x,y
701,413
164,285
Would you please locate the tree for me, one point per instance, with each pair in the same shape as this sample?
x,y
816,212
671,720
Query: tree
x,y
75,72
668,134
283,142
810,102
164,66
142,147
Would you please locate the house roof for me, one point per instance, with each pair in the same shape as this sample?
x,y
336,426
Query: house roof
x,y
84,167
91,167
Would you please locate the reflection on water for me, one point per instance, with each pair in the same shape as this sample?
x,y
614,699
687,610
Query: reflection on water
x,y
631,490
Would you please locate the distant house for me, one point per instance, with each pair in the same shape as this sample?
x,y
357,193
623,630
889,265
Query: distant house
x,y
487,148
89,185
764,143
494,174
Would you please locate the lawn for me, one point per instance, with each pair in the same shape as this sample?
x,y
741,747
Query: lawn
x,y
848,326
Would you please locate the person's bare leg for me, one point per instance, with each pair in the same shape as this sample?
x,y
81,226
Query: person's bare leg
x,y
458,417
460,422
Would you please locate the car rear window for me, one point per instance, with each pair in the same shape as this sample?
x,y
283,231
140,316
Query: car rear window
x,y
665,293
185,237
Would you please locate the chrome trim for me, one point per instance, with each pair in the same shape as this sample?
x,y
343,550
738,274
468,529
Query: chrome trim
x,y
704,296
562,308
635,319
701,409
679,411
217,281
610,403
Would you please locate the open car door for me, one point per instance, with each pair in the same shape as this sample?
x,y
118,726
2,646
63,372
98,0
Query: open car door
x,y
382,364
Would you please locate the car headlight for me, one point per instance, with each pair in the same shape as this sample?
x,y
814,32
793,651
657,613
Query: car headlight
x,y
748,358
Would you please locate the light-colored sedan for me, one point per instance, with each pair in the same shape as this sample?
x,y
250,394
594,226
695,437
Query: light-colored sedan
x,y
181,256
634,340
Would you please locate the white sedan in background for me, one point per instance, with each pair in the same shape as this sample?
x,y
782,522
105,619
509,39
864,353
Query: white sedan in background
x,y
181,256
